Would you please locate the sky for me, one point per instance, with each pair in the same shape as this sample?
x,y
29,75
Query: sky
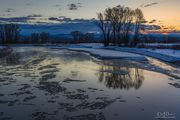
x,y
165,13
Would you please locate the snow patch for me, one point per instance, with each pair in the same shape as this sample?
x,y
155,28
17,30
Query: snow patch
x,y
103,53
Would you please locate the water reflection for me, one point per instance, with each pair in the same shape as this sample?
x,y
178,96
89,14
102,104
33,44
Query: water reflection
x,y
13,59
121,77
59,84
21,57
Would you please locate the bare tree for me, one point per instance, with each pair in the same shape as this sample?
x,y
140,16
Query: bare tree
x,y
44,37
89,37
2,34
120,22
35,38
9,33
77,36
103,25
116,24
139,19
128,19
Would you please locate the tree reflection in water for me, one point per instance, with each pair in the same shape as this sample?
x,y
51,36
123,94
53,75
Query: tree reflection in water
x,y
12,59
121,77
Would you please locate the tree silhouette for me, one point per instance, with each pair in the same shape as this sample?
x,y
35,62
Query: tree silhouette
x,y
44,37
77,36
104,26
116,24
139,19
89,37
9,33
118,77
35,38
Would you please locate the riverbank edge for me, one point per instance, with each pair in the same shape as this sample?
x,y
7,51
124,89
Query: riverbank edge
x,y
155,55
102,57
5,51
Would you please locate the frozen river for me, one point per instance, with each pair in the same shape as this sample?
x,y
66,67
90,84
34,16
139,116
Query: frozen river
x,y
39,83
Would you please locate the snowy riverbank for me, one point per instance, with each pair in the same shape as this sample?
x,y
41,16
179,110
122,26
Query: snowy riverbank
x,y
114,52
103,53
166,55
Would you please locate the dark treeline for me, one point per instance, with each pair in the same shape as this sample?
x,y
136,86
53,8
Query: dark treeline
x,y
40,38
9,33
121,25
160,39
79,37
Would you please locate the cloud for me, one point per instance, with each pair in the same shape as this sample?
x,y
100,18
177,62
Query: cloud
x,y
74,6
57,5
149,4
34,15
153,21
79,4
5,15
28,4
22,19
60,19
9,10
53,18
153,27
65,19
16,19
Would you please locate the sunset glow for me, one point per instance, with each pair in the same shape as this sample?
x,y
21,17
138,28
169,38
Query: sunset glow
x,y
164,13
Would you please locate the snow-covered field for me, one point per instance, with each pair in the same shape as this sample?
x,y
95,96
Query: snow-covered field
x,y
161,44
167,55
109,54
114,52
169,52
161,54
